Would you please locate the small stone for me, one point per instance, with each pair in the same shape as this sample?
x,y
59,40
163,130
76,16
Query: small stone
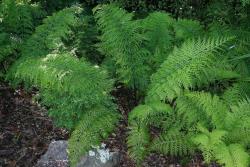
x,y
56,156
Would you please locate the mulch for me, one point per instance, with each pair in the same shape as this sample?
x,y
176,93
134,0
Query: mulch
x,y
26,131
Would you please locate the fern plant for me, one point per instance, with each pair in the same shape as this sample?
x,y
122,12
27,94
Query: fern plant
x,y
215,122
75,92
122,41
54,74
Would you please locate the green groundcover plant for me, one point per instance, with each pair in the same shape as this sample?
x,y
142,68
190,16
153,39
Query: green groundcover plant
x,y
189,77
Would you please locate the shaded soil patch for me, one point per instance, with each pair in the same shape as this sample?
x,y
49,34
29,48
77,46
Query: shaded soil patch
x,y
26,132
25,129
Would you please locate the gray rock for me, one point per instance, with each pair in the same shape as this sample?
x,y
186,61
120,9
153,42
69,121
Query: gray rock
x,y
56,156
100,157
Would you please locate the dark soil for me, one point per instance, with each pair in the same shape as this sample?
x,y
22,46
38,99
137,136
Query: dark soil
x,y
25,130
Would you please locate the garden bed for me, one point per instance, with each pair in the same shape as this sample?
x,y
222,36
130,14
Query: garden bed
x,y
26,131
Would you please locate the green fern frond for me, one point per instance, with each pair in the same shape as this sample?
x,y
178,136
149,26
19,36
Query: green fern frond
x,y
95,126
122,41
158,27
233,155
210,105
189,112
238,123
208,141
138,141
172,142
185,68
236,92
48,36
149,113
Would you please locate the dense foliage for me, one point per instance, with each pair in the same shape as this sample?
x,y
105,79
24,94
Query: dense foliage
x,y
188,69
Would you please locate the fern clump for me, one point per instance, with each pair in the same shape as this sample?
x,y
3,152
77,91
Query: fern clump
x,y
55,74
198,116
195,74
76,93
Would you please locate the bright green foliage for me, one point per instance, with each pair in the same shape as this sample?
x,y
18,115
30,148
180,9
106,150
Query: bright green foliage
x,y
145,113
238,123
138,47
72,89
172,142
96,124
122,41
187,67
206,104
158,29
208,141
233,155
197,98
140,119
138,140
55,75
76,92
236,92
48,37
205,120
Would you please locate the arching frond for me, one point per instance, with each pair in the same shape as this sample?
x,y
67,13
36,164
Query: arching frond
x,y
233,155
187,67
96,124
173,142
122,41
138,141
158,27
